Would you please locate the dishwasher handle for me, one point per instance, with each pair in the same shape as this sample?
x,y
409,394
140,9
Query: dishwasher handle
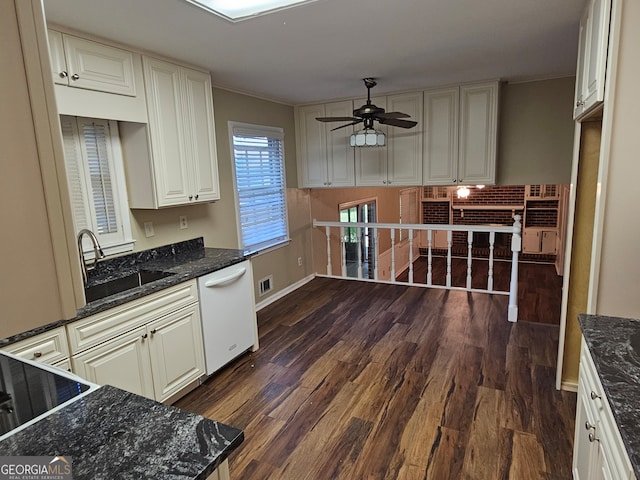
x,y
227,279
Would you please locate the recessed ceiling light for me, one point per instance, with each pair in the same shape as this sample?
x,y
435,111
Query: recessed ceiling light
x,y
236,10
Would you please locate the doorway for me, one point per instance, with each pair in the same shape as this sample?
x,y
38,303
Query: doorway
x,y
359,242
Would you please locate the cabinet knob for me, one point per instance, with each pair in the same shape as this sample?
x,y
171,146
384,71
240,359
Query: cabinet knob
x,y
75,76
594,395
579,103
592,438
455,181
190,197
63,74
153,332
197,195
144,336
588,426
37,354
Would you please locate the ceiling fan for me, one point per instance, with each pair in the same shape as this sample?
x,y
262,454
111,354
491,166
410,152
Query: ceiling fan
x,y
369,112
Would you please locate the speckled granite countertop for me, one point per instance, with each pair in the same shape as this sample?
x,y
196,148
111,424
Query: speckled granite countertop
x,y
184,261
112,434
614,344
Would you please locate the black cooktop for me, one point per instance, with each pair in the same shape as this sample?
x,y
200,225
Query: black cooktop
x,y
28,391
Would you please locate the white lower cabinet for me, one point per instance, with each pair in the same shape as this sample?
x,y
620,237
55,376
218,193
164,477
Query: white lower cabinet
x,y
151,346
598,450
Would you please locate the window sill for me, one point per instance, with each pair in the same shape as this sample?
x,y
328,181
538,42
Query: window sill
x,y
109,250
270,249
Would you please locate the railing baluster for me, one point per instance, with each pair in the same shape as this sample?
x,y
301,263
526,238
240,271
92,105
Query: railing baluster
x,y
327,232
359,236
393,254
449,243
377,252
469,260
429,258
410,255
492,241
516,246
343,254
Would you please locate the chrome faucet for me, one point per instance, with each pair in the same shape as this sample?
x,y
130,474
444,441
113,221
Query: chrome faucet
x,y
97,250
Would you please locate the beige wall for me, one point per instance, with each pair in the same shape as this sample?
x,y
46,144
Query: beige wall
x,y
325,207
216,222
619,264
535,136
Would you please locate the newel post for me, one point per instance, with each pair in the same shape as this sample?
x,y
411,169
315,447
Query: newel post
x,y
516,246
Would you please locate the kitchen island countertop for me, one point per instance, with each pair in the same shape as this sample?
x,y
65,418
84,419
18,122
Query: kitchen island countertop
x,y
614,344
113,434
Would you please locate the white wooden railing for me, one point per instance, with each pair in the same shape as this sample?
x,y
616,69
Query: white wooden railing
x,y
516,246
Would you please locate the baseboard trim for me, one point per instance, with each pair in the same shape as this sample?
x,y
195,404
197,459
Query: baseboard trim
x,y
285,291
569,386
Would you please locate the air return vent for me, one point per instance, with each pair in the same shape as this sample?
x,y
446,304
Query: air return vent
x,y
265,285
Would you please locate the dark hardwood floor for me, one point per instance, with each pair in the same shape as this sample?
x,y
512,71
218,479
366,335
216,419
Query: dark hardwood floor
x,y
539,286
358,380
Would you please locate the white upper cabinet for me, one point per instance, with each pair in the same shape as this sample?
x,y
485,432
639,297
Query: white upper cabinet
x,y
460,143
180,167
592,57
82,63
325,158
399,163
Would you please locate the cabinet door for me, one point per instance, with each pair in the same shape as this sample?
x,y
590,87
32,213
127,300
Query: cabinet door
x,y
582,65
584,451
340,155
200,135
478,133
122,362
312,147
95,66
56,55
548,242
596,53
530,241
164,104
177,356
371,162
404,152
440,163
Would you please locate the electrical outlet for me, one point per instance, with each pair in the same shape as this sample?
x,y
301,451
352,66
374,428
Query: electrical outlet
x,y
148,229
299,261
183,222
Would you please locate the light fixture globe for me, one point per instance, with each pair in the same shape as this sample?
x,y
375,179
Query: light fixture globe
x,y
367,137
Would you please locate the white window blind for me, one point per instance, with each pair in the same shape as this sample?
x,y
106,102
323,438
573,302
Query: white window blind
x,y
260,186
96,189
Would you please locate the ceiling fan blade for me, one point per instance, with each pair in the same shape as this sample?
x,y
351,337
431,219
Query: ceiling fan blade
x,y
394,122
392,115
360,120
336,119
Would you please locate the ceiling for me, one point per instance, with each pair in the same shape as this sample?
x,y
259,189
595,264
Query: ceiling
x,y
320,51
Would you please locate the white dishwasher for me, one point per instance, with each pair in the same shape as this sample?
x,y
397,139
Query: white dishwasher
x,y
229,326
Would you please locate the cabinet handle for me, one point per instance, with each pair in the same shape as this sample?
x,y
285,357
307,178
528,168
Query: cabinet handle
x,y
153,332
455,181
75,76
592,438
197,195
63,74
37,354
579,103
190,197
594,395
144,336
588,426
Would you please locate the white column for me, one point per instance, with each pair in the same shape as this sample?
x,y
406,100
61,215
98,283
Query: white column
x,y
359,250
393,254
492,241
469,257
376,253
449,243
410,255
343,254
327,232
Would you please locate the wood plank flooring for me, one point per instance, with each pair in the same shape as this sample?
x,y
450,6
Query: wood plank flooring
x,y
539,286
357,380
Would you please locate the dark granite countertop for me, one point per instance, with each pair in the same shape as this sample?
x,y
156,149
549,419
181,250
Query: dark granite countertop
x,y
112,434
614,344
184,261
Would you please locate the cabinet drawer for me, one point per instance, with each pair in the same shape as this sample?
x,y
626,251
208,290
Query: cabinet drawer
x,y
48,347
106,325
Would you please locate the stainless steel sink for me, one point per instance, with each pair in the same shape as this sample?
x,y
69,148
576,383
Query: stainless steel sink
x,y
117,285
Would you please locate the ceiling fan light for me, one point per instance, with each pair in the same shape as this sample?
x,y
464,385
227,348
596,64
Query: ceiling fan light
x,y
367,137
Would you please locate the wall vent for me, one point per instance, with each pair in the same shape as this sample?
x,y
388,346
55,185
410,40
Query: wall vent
x,y
265,285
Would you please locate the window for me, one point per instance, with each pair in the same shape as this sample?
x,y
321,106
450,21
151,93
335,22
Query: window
x,y
95,176
260,186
